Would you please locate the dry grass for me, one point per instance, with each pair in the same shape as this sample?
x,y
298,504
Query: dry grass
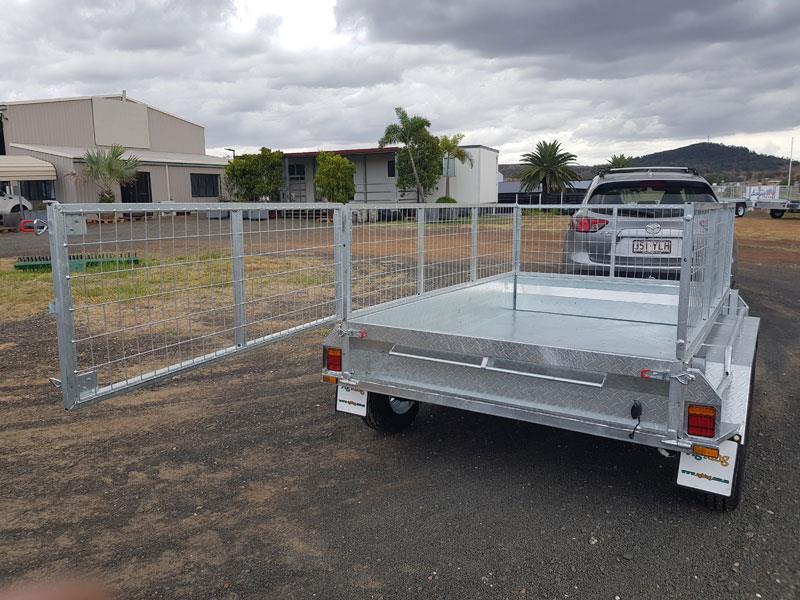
x,y
759,227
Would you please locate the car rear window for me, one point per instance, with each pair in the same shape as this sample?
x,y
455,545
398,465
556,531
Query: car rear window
x,y
651,192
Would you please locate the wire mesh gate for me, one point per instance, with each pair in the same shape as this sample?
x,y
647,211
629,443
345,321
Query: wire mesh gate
x,y
181,285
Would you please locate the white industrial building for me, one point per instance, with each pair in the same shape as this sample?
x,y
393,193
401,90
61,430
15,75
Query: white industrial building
x,y
376,176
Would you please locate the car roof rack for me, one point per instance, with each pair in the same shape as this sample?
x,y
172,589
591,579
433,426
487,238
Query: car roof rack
x,y
649,170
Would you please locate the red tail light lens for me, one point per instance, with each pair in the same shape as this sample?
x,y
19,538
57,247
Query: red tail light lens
x,y
333,359
587,224
701,420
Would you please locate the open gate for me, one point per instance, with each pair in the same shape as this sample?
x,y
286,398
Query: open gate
x,y
147,291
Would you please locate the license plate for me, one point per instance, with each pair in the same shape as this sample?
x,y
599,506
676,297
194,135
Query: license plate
x,y
709,474
652,246
351,400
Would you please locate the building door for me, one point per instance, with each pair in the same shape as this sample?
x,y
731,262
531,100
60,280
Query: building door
x,y
137,190
297,182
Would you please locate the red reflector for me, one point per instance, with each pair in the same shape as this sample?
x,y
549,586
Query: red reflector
x,y
700,420
333,359
587,225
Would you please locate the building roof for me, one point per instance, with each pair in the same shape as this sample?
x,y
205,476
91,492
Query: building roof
x,y
467,146
344,151
25,168
118,96
145,156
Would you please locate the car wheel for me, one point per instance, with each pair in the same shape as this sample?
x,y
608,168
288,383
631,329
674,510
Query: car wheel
x,y
16,209
741,209
389,414
776,214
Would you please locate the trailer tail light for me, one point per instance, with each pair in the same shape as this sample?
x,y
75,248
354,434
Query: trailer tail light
x,y
587,224
333,359
701,420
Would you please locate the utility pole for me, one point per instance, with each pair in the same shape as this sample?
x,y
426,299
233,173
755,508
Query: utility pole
x,y
789,179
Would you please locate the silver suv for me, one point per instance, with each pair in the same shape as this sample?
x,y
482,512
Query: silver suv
x,y
647,235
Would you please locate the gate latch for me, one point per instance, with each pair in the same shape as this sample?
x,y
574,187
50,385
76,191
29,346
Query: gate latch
x,y
343,331
685,377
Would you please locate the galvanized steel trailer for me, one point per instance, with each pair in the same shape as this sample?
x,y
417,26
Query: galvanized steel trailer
x,y
620,355
472,307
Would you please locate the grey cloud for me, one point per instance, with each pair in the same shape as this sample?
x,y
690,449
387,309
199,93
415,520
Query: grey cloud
x,y
603,79
586,29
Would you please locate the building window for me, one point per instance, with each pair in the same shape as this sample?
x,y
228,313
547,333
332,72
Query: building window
x,y
390,168
37,191
204,185
448,166
297,172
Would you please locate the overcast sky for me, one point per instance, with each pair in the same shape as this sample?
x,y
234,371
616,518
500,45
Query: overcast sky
x,y
630,76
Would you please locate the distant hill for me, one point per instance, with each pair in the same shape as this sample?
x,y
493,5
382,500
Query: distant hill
x,y
716,162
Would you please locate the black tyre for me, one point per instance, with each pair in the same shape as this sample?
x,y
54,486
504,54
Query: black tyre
x,y
776,214
741,209
16,208
722,503
388,414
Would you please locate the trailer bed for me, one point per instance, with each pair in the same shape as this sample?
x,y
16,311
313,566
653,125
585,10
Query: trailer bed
x,y
636,318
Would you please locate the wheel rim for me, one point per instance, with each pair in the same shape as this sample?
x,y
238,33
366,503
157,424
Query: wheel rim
x,y
740,211
400,406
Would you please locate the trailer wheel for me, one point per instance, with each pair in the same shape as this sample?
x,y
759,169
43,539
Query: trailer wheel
x,y
722,503
741,209
389,414
776,214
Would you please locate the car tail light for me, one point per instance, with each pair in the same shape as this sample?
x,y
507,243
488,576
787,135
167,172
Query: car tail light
x,y
333,359
587,224
701,420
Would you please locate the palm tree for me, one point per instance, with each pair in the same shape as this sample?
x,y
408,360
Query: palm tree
x,y
619,161
451,150
107,168
549,166
407,132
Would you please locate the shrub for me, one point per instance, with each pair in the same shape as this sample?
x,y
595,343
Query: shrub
x,y
446,200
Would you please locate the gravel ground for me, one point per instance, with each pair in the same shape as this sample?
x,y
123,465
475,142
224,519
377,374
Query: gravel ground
x,y
239,481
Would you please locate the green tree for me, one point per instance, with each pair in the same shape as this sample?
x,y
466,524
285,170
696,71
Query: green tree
x,y
549,166
619,161
256,176
452,151
412,133
423,169
107,168
335,178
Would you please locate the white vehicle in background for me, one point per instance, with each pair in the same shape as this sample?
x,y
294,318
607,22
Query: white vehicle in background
x,y
12,203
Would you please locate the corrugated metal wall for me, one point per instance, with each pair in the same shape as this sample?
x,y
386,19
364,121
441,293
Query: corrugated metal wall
x,y
170,134
71,123
67,123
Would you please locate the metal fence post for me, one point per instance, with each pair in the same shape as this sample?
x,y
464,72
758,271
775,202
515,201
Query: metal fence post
x,y
338,262
473,253
347,260
684,296
420,250
516,249
613,253
65,326
237,258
